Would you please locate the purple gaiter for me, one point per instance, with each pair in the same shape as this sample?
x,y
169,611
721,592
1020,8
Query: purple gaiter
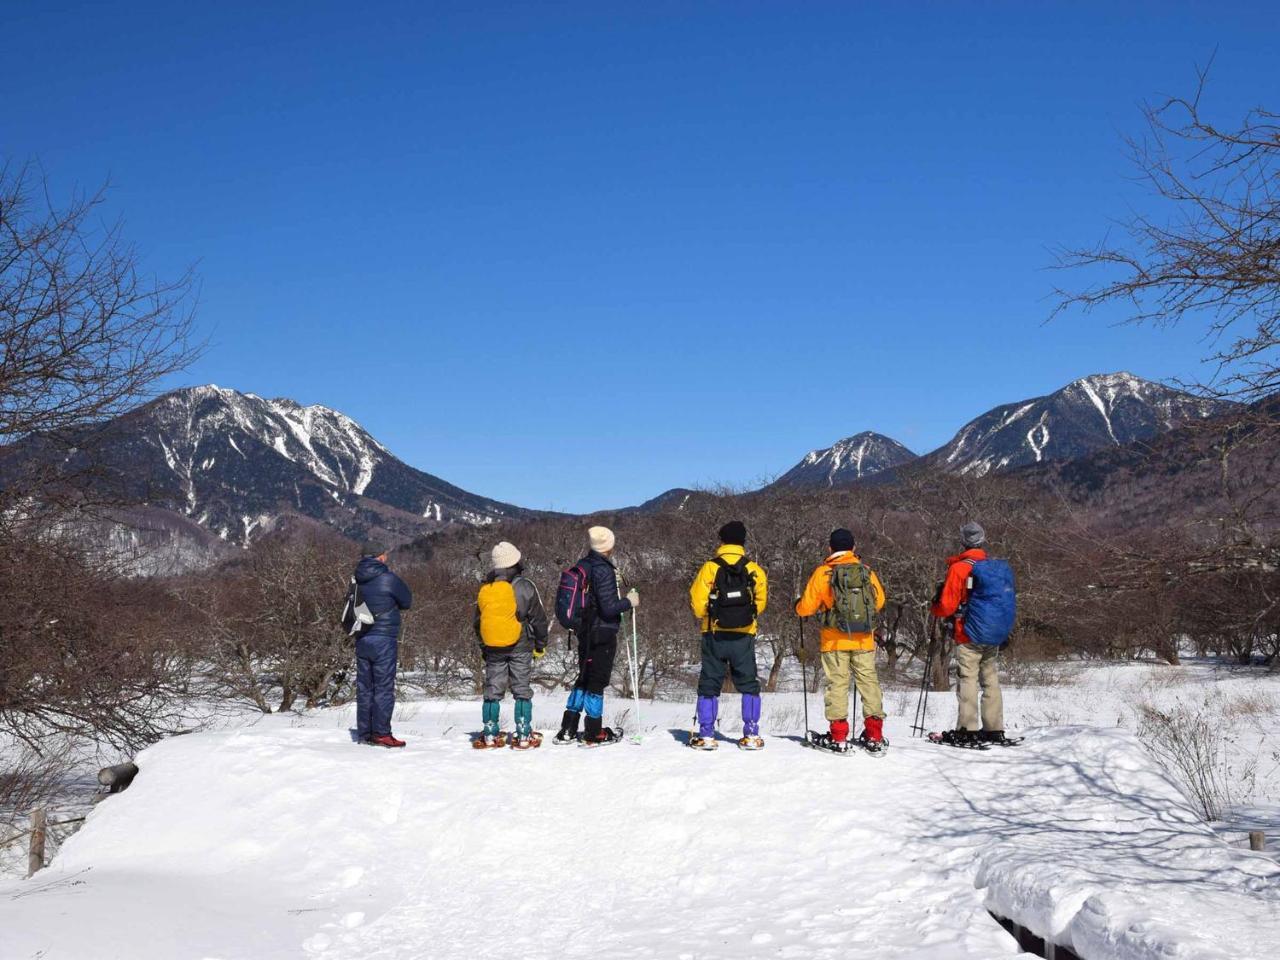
x,y
751,714
707,709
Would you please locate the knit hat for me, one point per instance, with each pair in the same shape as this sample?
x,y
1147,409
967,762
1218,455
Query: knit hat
x,y
602,539
735,531
504,555
972,534
372,548
841,539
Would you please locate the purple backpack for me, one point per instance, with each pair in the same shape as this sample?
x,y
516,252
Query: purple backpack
x,y
571,598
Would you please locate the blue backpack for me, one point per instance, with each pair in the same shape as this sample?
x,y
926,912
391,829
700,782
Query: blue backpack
x,y
992,604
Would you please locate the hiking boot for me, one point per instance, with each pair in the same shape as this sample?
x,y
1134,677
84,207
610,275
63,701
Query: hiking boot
x,y
699,742
825,741
876,745
386,740
998,739
526,741
607,735
750,742
565,736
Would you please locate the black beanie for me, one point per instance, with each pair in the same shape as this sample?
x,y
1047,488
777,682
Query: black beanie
x,y
841,539
735,531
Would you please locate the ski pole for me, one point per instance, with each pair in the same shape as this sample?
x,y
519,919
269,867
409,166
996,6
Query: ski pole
x,y
635,671
922,701
804,677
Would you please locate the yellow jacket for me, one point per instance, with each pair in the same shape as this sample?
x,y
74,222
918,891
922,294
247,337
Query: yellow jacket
x,y
705,581
818,597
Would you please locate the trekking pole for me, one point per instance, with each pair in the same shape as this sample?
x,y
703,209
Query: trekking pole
x,y
804,678
635,674
922,701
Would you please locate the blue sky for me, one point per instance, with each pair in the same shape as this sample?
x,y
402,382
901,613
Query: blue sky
x,y
573,254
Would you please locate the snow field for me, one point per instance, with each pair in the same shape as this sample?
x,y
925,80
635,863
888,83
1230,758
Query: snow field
x,y
286,840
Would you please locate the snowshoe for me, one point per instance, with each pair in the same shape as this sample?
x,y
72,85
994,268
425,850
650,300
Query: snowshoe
x,y
565,736
607,736
529,742
876,748
964,739
825,742
751,743
699,742
996,738
489,741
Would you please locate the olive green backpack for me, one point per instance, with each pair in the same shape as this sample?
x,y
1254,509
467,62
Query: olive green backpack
x,y
854,610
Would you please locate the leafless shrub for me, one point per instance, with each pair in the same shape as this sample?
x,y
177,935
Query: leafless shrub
x,y
1187,741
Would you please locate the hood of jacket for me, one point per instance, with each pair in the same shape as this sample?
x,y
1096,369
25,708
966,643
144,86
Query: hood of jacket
x,y
369,568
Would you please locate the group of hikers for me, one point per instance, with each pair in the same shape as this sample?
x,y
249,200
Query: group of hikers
x,y
727,597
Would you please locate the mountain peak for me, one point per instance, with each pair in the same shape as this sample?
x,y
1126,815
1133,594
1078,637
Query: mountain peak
x,y
1089,413
846,461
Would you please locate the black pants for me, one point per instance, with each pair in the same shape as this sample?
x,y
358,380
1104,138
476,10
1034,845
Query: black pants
x,y
733,653
596,654
595,664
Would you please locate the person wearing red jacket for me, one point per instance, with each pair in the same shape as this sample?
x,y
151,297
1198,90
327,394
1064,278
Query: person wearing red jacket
x,y
977,665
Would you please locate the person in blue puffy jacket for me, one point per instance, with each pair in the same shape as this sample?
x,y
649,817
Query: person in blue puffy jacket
x,y
386,595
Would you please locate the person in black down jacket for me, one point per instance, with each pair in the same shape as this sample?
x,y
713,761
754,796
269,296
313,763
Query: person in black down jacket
x,y
376,651
598,644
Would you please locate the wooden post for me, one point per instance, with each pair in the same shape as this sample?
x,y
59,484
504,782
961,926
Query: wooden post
x,y
1257,840
35,851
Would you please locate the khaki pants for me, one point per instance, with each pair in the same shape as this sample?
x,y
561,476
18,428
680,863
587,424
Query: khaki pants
x,y
978,665
841,666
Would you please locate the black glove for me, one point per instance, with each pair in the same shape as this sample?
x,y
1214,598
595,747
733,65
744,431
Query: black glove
x,y
937,593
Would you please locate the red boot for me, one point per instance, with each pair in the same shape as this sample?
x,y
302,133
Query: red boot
x,y
386,740
839,730
874,729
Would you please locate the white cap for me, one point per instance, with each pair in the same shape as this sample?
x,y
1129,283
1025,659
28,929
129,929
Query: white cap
x,y
504,555
602,539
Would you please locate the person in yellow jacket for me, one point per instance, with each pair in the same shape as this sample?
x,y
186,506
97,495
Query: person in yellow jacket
x,y
511,625
727,596
847,596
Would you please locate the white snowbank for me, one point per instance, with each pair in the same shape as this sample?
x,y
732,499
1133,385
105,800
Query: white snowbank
x,y
286,840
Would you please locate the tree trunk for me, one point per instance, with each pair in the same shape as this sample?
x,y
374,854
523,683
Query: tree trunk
x,y
775,671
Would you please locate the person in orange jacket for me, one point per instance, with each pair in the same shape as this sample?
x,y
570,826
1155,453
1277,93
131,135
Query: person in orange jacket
x,y
976,665
847,596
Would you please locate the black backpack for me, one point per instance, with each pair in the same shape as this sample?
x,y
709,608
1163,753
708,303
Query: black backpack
x,y
732,604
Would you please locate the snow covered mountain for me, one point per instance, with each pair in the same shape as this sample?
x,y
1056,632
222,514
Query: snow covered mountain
x,y
1088,414
236,464
848,461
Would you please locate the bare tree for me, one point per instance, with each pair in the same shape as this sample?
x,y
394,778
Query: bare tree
x,y
1215,251
84,335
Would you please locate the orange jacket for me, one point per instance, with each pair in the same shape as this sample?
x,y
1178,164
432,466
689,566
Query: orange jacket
x,y
818,597
955,589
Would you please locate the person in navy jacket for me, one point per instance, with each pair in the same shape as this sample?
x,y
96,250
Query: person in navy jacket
x,y
598,645
386,595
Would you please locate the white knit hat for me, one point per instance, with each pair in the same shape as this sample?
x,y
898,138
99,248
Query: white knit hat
x,y
504,555
602,539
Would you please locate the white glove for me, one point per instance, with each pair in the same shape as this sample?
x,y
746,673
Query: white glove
x,y
634,598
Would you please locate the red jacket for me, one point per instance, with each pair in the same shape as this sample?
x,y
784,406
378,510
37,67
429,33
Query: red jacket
x,y
955,589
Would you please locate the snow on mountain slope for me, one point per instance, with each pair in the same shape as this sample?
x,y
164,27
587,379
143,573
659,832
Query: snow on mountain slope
x,y
235,464
847,461
286,840
1086,415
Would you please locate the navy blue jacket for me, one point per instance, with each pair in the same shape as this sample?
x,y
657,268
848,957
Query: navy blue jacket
x,y
385,594
607,607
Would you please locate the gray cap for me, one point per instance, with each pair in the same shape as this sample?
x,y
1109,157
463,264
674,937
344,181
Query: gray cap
x,y
972,534
372,548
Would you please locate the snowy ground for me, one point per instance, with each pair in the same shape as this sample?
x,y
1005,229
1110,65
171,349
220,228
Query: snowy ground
x,y
284,839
